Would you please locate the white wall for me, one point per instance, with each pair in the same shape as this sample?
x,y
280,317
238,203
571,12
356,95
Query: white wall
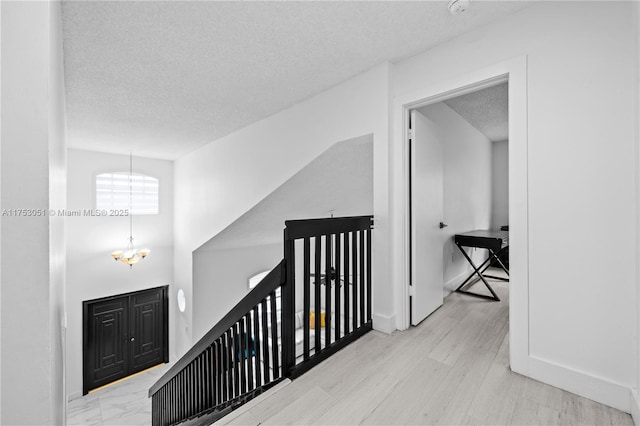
x,y
581,193
635,396
33,159
216,184
340,180
91,271
466,180
57,200
222,278
499,184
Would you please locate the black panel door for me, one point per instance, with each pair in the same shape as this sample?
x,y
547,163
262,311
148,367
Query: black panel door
x,y
108,325
147,331
123,335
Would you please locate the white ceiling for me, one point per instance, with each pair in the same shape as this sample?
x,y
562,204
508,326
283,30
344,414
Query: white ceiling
x,y
339,182
163,78
487,110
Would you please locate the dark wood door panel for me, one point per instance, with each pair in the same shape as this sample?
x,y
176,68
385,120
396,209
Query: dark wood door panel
x,y
107,356
147,330
124,334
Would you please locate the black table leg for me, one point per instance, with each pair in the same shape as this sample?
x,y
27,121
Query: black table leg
x,y
476,270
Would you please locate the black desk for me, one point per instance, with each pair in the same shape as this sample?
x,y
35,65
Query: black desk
x,y
496,242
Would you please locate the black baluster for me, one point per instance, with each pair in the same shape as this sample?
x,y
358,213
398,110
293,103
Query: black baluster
x,y
340,283
265,342
306,308
369,313
241,348
328,242
354,252
348,284
274,336
317,294
236,361
250,349
362,278
256,345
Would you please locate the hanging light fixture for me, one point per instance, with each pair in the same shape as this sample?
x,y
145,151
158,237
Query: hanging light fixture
x,y
131,255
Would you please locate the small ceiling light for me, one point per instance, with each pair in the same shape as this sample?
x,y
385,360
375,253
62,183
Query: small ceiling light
x,y
458,6
131,255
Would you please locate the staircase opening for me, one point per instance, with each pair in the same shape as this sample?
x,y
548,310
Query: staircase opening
x,y
314,302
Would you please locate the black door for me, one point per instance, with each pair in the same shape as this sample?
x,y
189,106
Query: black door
x,y
123,335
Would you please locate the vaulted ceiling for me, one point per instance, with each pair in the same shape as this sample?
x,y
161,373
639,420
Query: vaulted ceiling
x,y
164,78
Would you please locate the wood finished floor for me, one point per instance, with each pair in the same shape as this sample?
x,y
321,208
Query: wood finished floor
x,y
452,369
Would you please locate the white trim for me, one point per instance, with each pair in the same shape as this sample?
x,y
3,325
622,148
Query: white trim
x,y
515,70
634,401
595,388
454,282
634,398
74,395
384,323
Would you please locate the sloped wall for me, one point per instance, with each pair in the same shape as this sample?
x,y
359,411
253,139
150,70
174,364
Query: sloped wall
x,y
339,182
218,183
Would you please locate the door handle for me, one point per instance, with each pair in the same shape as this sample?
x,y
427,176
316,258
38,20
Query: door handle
x,y
133,338
443,225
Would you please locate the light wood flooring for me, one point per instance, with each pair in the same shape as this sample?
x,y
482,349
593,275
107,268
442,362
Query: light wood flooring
x,y
451,369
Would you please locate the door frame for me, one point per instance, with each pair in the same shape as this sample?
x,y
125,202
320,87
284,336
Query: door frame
x,y
515,72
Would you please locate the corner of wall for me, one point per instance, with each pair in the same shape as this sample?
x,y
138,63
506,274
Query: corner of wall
x,y
384,323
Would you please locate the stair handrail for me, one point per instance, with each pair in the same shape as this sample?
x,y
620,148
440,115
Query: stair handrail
x,y
270,283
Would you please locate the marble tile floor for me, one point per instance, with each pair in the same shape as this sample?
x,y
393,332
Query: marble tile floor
x,y
120,404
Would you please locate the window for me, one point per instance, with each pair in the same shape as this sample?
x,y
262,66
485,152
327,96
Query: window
x,y
112,193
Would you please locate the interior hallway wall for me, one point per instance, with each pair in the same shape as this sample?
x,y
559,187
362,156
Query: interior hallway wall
x,y
580,310
466,156
33,181
222,278
635,395
466,187
91,271
499,184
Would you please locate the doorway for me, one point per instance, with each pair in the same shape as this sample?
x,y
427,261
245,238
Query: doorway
x,y
123,335
459,183
434,90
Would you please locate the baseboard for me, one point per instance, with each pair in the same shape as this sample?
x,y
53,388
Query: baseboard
x,y
450,286
74,395
597,389
635,406
383,323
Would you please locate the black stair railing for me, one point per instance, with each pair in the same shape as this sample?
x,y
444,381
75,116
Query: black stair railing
x,y
267,336
336,286
240,357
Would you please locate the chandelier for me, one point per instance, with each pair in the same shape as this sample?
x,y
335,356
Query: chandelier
x,y
130,255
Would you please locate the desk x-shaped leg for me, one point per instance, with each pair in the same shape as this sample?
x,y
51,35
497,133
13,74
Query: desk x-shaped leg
x,y
476,270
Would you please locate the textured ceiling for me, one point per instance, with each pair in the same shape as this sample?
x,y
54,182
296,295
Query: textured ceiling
x,y
487,110
339,181
163,78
